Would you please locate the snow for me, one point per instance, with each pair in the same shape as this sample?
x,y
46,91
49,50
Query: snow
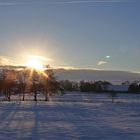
x,y
74,116
118,87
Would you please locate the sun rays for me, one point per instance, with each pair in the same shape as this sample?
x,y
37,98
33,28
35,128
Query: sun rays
x,y
35,66
34,62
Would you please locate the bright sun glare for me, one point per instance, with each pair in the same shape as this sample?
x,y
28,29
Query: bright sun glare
x,y
35,63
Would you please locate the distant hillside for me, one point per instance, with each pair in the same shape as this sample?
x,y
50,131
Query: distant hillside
x,y
115,77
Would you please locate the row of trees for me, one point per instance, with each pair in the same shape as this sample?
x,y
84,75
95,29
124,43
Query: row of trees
x,y
134,87
97,86
85,86
29,81
92,86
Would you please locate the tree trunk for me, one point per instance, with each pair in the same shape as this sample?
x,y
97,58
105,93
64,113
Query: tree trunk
x,y
35,95
23,97
35,92
8,95
47,96
112,99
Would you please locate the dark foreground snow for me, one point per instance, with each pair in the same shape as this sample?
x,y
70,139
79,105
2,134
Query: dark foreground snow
x,y
70,120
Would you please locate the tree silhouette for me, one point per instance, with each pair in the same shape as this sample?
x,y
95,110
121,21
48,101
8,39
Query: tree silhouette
x,y
7,81
22,81
134,87
51,86
113,95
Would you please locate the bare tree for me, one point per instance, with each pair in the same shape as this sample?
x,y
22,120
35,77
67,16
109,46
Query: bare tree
x,y
7,83
51,86
22,80
35,81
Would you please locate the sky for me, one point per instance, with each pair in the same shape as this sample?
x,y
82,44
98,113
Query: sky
x,y
89,34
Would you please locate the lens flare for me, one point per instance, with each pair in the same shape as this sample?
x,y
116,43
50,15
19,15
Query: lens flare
x,y
108,56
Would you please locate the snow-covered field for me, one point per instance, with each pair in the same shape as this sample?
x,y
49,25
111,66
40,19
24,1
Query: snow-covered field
x,y
73,116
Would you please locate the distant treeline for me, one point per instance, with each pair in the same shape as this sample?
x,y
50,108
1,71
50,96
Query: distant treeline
x,y
85,86
98,86
134,87
29,81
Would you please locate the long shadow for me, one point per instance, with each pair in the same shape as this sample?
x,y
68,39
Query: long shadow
x,y
35,128
59,121
8,112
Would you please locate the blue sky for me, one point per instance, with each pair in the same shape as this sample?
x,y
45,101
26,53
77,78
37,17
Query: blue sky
x,y
72,33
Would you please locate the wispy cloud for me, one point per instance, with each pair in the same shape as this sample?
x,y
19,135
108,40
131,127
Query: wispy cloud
x,y
87,1
65,67
74,68
101,63
6,61
60,2
40,57
11,3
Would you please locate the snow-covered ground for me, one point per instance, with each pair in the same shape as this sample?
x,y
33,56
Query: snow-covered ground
x,y
73,116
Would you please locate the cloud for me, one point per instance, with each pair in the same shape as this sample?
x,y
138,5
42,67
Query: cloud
x,y
65,67
60,2
6,61
74,68
11,3
40,57
87,1
101,63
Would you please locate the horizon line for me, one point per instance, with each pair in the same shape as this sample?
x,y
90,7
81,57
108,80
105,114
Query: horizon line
x,y
65,68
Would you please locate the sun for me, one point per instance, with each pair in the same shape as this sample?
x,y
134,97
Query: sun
x,y
35,63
